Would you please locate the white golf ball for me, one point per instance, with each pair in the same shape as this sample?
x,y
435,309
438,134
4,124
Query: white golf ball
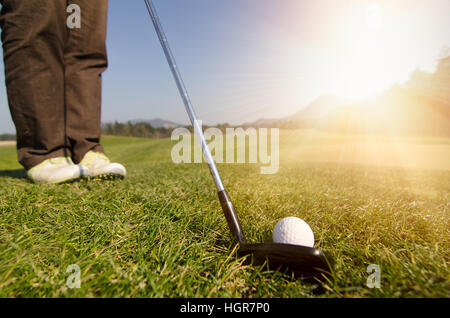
x,y
294,231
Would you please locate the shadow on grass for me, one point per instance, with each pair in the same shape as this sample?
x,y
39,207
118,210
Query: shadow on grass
x,y
16,174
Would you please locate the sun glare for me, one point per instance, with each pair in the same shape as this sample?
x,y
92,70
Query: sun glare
x,y
373,17
364,61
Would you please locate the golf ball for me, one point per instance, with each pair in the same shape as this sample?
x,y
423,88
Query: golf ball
x,y
294,231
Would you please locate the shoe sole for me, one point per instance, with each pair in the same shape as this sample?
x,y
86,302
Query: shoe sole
x,y
61,181
107,176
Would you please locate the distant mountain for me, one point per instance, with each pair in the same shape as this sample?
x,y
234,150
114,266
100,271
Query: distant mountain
x,y
157,123
319,108
398,111
264,122
420,107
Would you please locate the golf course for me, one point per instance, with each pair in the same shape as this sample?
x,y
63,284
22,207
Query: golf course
x,y
161,232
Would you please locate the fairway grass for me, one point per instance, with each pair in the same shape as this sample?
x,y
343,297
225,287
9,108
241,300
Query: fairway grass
x,y
161,232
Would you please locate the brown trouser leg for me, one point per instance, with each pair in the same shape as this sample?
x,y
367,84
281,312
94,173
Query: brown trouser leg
x,y
85,61
53,76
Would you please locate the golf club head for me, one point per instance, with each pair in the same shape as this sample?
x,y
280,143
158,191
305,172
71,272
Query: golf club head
x,y
304,262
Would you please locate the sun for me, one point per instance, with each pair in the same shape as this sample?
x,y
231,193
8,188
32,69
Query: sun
x,y
373,17
364,69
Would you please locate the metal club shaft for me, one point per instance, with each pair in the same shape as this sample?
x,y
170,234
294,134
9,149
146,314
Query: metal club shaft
x,y
184,94
225,200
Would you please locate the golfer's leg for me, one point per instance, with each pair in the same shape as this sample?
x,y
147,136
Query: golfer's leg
x,y
33,35
85,60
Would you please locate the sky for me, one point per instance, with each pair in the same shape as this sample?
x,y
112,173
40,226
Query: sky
x,y
246,60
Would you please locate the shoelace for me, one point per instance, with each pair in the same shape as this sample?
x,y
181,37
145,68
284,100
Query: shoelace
x,y
91,156
61,160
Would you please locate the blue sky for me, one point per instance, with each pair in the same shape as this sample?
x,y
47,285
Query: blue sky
x,y
243,60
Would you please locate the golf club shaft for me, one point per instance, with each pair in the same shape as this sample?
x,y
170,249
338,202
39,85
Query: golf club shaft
x,y
184,94
225,200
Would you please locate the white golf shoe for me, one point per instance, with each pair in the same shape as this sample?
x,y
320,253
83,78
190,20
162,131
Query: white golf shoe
x,y
57,170
100,166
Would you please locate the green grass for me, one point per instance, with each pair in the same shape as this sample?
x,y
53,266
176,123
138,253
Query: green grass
x,y
161,232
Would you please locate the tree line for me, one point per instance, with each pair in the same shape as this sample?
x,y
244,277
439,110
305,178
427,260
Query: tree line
x,y
143,130
6,137
146,130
